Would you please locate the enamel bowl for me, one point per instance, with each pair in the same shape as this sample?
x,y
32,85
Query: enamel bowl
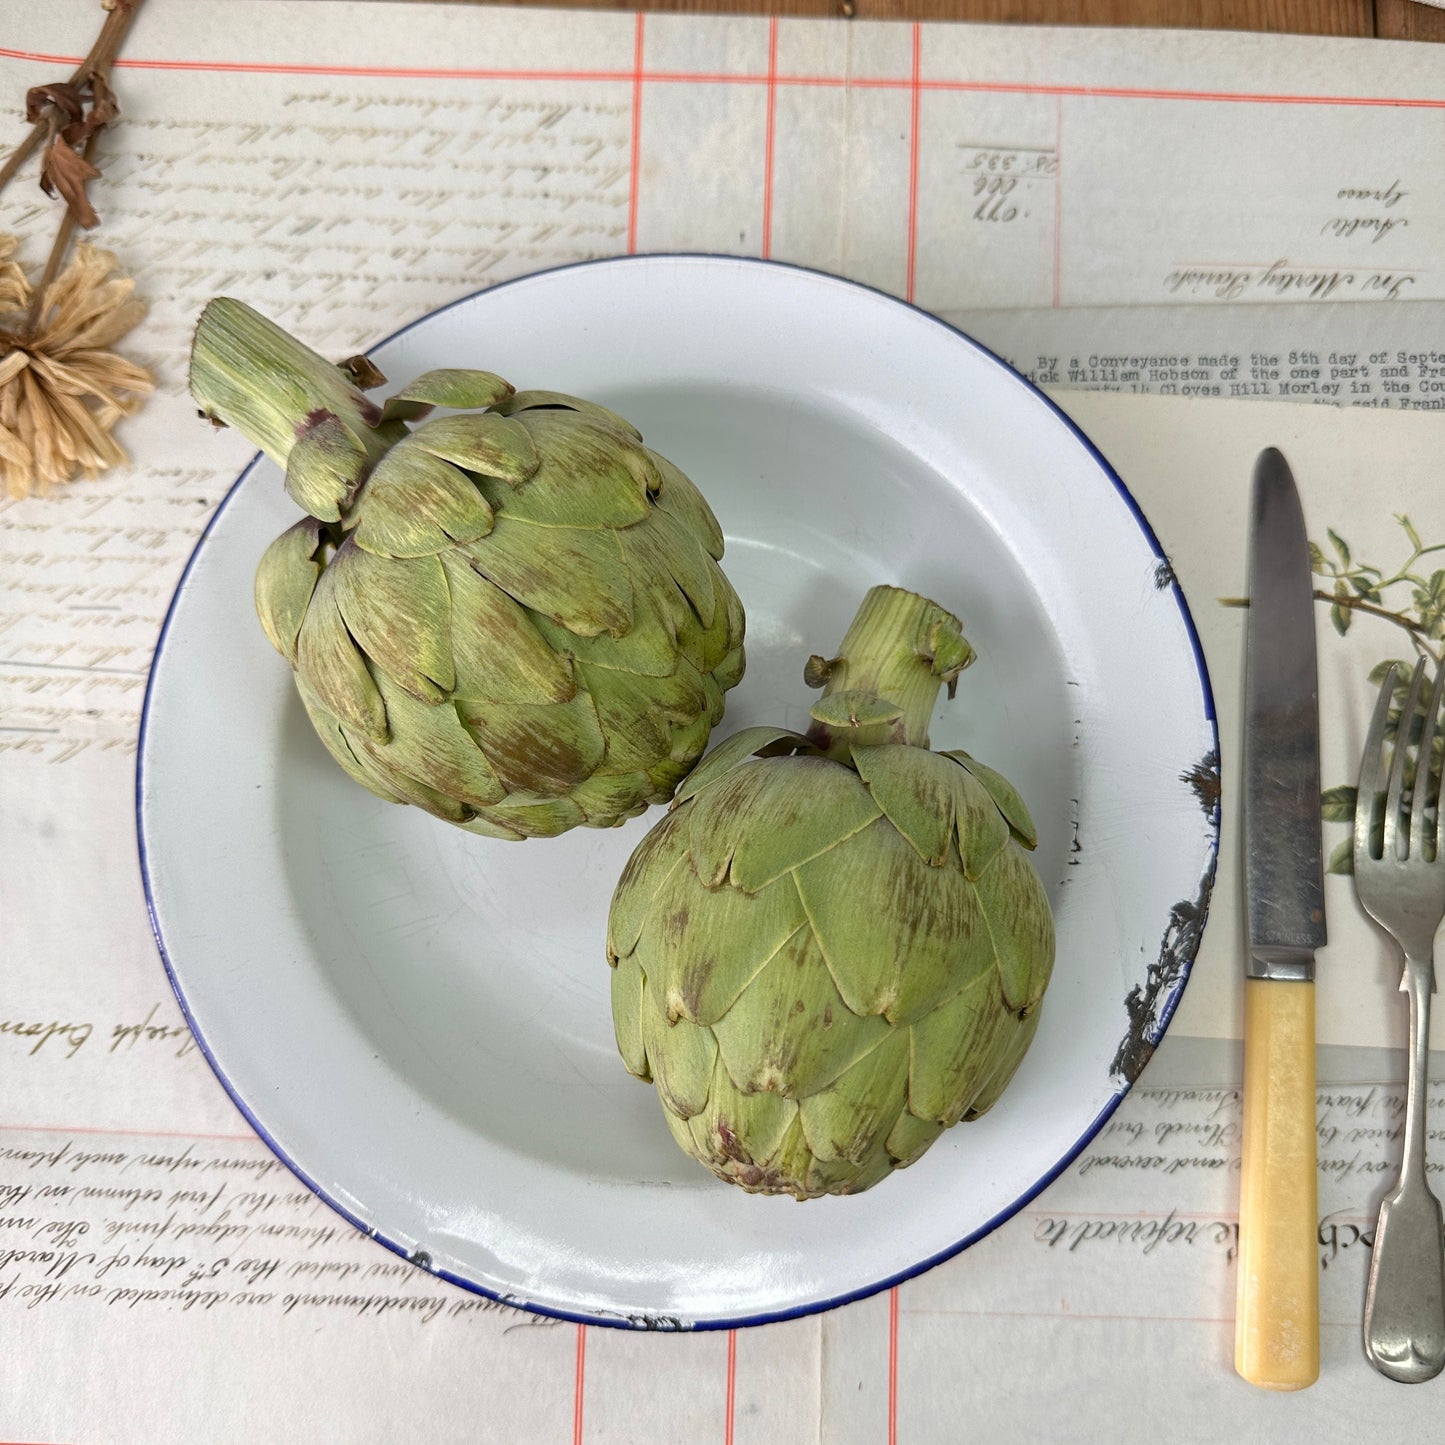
x,y
416,1019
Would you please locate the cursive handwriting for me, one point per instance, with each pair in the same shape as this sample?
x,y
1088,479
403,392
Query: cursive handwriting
x,y
71,1037
196,1227
1281,281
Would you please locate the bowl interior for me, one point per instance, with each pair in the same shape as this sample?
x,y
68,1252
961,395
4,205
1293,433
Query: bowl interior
x,y
418,1019
477,968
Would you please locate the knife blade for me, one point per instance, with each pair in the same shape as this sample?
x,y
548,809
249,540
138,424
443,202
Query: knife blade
x,y
1277,1309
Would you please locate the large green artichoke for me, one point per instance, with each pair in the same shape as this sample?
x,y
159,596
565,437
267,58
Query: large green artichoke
x,y
512,617
834,947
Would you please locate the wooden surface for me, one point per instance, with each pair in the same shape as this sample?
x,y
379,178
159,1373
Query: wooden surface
x,y
1388,19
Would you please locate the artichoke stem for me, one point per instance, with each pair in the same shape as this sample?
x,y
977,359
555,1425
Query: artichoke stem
x,y
899,650
249,373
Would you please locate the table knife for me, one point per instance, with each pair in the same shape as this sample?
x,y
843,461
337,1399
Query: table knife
x,y
1277,1309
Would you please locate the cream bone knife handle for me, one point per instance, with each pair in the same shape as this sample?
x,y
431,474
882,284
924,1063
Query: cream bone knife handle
x,y
1277,1315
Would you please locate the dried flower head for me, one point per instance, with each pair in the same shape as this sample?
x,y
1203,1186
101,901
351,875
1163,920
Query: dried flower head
x,y
62,389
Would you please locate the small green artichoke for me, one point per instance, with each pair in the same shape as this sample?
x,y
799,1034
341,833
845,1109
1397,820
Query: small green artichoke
x,y
511,616
834,947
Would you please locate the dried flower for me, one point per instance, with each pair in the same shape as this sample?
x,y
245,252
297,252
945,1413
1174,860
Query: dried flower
x,y
62,390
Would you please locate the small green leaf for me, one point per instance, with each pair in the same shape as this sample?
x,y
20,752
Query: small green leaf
x,y
1430,601
1378,671
1410,531
1341,547
1317,561
1342,860
1340,615
1337,805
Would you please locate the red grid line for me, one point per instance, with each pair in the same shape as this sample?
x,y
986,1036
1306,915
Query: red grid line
x,y
1058,193
578,1388
913,163
732,1377
1223,97
1125,1319
383,72
634,182
893,1366
682,77
134,1133
767,248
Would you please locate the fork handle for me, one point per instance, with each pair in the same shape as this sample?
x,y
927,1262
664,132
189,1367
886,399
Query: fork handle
x,y
1405,1298
1277,1313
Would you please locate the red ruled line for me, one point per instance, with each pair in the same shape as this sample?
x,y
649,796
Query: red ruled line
x,y
1223,97
580,1385
385,72
767,249
132,1133
683,77
924,1311
732,1381
635,169
893,1366
1058,193
913,163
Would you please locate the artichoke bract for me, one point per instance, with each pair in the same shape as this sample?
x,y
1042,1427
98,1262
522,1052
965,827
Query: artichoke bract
x,y
834,946
511,616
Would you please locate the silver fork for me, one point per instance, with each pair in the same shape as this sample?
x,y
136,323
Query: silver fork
x,y
1403,890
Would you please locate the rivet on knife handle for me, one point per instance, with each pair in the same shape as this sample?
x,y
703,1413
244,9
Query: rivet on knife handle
x,y
1277,1339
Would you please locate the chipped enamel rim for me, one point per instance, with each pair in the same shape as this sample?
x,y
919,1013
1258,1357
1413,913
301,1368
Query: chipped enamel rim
x,y
1148,1007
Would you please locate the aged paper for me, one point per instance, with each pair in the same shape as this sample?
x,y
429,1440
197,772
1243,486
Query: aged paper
x,y
347,168
135,1209
1358,473
1328,354
1104,1311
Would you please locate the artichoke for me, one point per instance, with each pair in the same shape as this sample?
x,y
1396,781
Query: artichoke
x,y
511,616
834,947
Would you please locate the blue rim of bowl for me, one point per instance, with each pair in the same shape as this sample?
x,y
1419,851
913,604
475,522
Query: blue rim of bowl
x,y
634,1321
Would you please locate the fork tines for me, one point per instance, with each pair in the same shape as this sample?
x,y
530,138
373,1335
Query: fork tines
x,y
1398,842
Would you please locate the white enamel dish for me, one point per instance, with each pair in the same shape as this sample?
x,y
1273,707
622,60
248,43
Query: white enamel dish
x,y
416,1019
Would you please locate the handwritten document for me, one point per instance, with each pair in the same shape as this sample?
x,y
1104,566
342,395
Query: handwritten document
x,y
1116,1288
1206,212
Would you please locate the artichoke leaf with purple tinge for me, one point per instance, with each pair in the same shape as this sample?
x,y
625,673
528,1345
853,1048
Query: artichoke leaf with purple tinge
x,y
511,615
834,947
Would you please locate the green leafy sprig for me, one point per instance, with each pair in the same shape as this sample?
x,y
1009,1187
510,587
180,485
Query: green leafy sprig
x,y
1360,587
1409,597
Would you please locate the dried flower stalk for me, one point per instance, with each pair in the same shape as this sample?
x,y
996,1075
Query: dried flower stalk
x,y
62,389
